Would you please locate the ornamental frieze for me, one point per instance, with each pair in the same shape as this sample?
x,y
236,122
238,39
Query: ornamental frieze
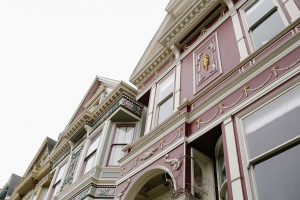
x,y
71,170
125,102
61,158
244,93
105,192
206,63
81,195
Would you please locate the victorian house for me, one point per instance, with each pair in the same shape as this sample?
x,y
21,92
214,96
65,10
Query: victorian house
x,y
85,158
215,115
220,79
35,181
7,190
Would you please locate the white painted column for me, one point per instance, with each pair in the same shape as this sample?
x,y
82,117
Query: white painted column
x,y
150,109
236,182
292,9
239,36
177,86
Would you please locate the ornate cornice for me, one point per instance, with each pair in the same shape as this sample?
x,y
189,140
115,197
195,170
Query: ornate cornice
x,y
188,20
89,117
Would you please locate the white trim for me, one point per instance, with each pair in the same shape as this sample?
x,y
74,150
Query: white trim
x,y
246,26
239,36
292,9
249,174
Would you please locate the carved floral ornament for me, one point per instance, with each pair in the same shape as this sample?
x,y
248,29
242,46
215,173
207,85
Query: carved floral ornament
x,y
121,193
245,90
150,152
176,163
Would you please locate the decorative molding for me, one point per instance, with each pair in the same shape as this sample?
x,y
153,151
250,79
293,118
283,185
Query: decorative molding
x,y
148,153
176,163
81,195
80,140
125,102
162,142
105,192
121,193
62,157
133,166
246,88
206,63
71,170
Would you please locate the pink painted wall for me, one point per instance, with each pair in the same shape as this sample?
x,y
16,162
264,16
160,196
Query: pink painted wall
x,y
228,53
177,152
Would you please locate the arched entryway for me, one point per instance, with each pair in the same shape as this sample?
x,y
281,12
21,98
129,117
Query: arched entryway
x,y
152,185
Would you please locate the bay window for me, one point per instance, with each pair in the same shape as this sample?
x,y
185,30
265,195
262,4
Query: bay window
x,y
56,184
91,153
264,21
272,139
165,99
123,135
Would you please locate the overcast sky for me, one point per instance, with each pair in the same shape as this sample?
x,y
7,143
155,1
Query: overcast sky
x,y
50,52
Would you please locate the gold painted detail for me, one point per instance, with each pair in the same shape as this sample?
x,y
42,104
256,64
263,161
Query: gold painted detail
x,y
221,105
162,141
274,68
245,88
206,62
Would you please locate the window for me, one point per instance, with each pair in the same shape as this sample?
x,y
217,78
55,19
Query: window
x,y
33,196
165,99
271,135
91,153
45,190
58,180
221,170
123,136
264,21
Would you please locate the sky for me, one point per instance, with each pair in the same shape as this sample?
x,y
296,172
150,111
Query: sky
x,y
50,52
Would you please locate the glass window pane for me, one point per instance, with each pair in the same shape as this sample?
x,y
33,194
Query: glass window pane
x,y
129,134
267,128
60,173
165,110
45,191
166,87
258,10
221,166
89,164
120,135
279,177
116,154
267,29
93,145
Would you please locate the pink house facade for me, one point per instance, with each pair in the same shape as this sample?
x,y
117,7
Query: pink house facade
x,y
214,117
220,80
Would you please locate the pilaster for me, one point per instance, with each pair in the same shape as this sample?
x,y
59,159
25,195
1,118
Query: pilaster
x,y
235,176
240,40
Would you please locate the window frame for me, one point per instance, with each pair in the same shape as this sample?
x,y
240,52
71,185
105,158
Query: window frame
x,y
248,163
248,29
55,186
116,125
93,153
222,187
158,102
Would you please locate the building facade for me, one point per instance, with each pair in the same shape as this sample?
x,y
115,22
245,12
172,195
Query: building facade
x,y
220,80
35,181
214,117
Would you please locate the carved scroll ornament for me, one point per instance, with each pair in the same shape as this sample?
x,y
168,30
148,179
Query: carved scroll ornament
x,y
121,193
176,163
